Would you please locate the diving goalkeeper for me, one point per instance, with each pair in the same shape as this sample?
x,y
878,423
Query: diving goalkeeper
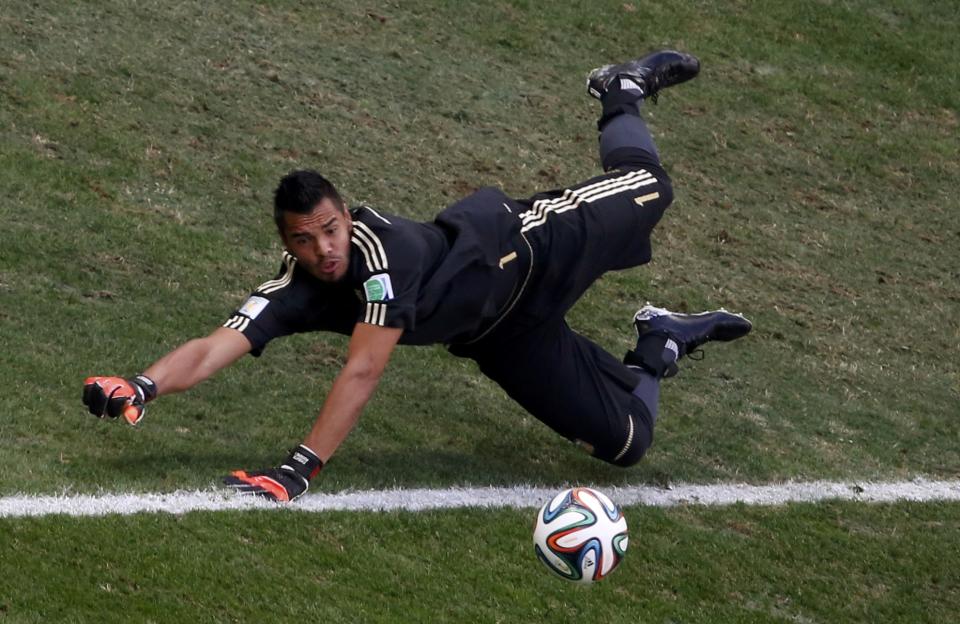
x,y
491,277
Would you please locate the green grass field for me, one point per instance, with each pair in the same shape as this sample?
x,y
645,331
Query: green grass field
x,y
815,165
832,563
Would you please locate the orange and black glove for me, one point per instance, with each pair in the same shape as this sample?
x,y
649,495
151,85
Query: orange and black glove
x,y
285,483
112,397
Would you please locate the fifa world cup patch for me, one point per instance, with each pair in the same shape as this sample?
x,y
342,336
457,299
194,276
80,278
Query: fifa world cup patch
x,y
253,307
378,288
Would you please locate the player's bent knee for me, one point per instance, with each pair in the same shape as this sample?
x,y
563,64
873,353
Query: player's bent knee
x,y
656,195
630,448
631,458
665,188
659,195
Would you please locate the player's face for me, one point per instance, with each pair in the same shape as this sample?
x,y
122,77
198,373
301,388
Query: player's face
x,y
320,240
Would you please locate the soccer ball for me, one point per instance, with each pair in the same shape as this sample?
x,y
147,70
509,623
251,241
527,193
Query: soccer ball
x,y
581,535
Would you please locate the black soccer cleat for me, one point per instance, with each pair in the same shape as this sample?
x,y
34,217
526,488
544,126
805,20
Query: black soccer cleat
x,y
655,71
690,331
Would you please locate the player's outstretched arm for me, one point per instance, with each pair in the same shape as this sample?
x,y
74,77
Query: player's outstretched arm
x,y
197,360
367,357
182,368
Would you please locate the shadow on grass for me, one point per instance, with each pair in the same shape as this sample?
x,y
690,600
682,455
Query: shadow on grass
x,y
441,468
368,469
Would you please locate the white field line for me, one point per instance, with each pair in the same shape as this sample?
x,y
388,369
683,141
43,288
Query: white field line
x,y
518,497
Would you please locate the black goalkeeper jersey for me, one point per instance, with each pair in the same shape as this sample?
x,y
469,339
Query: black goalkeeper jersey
x,y
443,281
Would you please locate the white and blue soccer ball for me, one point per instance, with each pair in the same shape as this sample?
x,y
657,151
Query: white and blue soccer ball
x,y
581,535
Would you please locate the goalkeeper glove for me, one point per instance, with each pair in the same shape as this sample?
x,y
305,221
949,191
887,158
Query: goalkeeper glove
x,y
283,484
114,396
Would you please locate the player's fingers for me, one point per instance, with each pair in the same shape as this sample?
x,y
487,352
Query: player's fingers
x,y
237,478
240,481
259,485
133,413
95,399
247,489
117,404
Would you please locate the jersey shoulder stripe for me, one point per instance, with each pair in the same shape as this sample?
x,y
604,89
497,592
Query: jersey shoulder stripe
x,y
356,239
283,280
370,246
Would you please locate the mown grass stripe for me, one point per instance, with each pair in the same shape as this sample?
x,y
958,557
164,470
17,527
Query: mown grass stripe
x,y
518,497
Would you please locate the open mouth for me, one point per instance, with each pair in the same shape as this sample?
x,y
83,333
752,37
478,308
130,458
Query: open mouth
x,y
329,266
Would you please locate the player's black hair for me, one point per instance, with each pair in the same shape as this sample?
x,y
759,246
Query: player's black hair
x,y
300,191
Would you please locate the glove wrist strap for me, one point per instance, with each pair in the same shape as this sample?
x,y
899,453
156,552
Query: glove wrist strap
x,y
303,461
147,385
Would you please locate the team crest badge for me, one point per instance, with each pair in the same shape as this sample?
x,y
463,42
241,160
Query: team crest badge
x,y
253,307
378,288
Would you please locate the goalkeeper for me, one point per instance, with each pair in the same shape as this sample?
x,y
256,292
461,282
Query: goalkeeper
x,y
491,277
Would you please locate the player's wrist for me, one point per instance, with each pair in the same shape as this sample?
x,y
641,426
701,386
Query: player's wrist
x,y
145,387
303,462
